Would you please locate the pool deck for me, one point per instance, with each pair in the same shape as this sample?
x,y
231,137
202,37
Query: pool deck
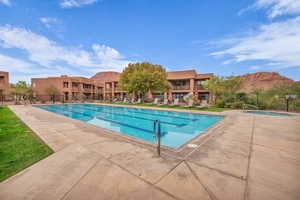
x,y
245,156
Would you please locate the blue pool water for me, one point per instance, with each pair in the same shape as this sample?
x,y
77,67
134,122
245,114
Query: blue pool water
x,y
177,128
269,113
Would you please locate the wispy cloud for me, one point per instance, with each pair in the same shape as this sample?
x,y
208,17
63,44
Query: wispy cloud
x,y
276,43
6,2
254,67
75,3
47,56
13,64
49,21
276,8
45,52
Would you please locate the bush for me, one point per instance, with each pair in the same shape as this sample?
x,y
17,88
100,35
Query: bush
x,y
220,103
237,105
197,103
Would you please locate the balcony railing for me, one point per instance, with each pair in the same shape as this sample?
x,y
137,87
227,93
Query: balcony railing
x,y
181,87
199,87
108,89
87,90
75,89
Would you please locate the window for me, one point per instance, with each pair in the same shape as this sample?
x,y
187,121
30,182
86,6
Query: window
x,y
66,84
87,86
75,85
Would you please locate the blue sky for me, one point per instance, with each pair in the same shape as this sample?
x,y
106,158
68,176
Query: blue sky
x,y
82,37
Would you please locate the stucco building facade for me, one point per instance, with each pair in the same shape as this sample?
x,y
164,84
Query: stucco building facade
x,y
4,83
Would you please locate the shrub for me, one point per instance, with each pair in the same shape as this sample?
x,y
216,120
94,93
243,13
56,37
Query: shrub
x,y
220,103
197,103
237,105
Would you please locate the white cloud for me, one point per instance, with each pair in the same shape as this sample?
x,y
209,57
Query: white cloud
x,y
45,52
6,2
11,64
276,43
254,67
49,21
76,3
276,7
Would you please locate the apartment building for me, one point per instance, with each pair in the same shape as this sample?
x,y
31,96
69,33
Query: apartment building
x,y
110,82
4,83
70,88
181,83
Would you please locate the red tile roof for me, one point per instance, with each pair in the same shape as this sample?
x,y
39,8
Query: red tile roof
x,y
186,74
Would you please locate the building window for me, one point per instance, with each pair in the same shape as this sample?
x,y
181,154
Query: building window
x,y
74,85
87,86
66,84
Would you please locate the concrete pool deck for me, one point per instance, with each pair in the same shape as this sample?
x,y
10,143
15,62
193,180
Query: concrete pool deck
x,y
247,157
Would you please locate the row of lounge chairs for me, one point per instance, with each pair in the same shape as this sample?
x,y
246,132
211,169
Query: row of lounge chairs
x,y
157,102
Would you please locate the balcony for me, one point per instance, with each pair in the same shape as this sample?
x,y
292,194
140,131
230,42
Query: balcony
x,y
108,89
100,90
180,87
87,90
75,89
199,87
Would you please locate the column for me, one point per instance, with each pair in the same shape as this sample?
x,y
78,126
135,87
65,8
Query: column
x,y
112,90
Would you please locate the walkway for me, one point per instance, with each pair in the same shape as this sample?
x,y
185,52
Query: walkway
x,y
249,157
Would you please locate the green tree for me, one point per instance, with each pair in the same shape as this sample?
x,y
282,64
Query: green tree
x,y
52,91
216,87
20,90
224,88
257,92
139,78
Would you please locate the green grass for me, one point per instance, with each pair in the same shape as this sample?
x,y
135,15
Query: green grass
x,y
212,109
19,147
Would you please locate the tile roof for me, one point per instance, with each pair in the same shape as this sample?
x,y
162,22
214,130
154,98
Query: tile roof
x,y
186,74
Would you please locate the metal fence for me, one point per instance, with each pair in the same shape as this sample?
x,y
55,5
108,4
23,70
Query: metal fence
x,y
45,99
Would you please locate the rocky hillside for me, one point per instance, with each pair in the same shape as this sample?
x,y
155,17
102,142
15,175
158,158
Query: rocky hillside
x,y
264,80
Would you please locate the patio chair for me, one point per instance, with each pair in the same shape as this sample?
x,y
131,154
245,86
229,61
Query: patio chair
x,y
132,101
156,101
125,100
190,104
164,103
139,101
175,103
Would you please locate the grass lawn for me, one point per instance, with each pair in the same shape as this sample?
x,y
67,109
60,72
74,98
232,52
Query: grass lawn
x,y
19,147
213,109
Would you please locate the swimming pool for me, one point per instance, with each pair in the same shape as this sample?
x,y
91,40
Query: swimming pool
x,y
268,113
176,128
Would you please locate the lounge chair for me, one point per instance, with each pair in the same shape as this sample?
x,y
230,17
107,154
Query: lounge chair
x,y
132,101
156,101
176,102
190,104
125,100
138,101
164,103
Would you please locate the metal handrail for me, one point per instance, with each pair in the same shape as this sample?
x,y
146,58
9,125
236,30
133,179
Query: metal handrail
x,y
157,133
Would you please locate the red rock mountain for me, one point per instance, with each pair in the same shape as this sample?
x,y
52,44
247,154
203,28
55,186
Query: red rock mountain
x,y
264,80
106,77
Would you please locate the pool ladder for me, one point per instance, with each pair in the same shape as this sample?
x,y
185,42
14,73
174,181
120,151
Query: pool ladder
x,y
157,134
